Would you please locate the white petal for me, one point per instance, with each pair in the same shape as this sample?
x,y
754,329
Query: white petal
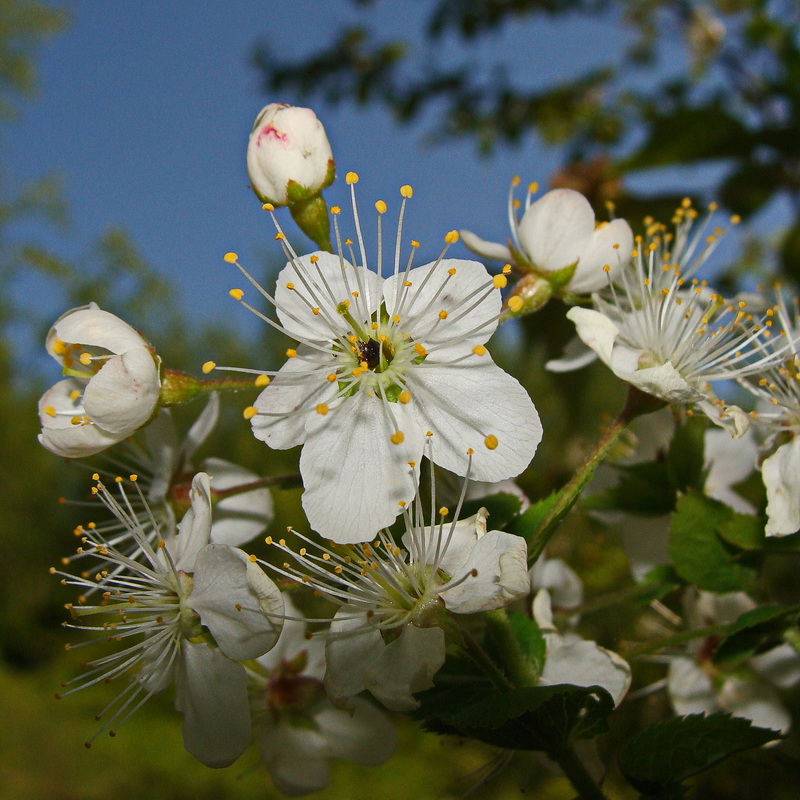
x,y
349,654
501,561
293,641
194,529
362,735
542,610
609,245
292,396
756,701
90,325
240,518
576,355
728,461
354,476
491,250
559,579
596,330
780,666
161,442
690,689
406,666
466,402
555,229
294,757
584,663
781,475
236,601
211,692
123,395
434,290
201,429
323,286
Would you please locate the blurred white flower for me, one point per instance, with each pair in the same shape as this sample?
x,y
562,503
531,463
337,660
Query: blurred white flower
x,y
112,385
297,728
557,233
384,364
196,609
289,157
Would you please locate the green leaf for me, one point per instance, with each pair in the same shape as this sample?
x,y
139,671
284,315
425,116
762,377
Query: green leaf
x,y
544,718
643,489
530,638
525,524
502,507
656,760
686,454
755,631
698,554
744,531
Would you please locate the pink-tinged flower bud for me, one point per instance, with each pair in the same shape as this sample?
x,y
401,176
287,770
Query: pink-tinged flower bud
x,y
289,158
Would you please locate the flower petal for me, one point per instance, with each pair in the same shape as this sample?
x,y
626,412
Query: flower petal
x,y
352,646
201,429
195,527
609,245
406,666
491,250
556,228
463,404
323,286
354,475
90,325
161,442
781,475
362,735
211,692
453,287
240,518
236,601
756,701
690,689
122,396
295,758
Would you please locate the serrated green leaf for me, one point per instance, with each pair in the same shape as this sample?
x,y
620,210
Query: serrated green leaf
x,y
755,631
543,718
745,531
698,553
663,755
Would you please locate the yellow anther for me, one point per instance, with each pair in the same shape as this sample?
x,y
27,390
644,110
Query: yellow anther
x,y
291,353
406,191
515,303
407,284
380,207
279,236
397,437
268,207
336,210
533,187
208,367
262,380
313,259
50,411
412,464
331,378
249,412
452,271
231,258
414,243
506,269
236,294
350,178
405,396
479,350
322,409
470,451
500,281
442,314
444,511
118,479
396,319
290,286
420,350
85,359
355,294
491,442
735,219
451,237
374,326
315,312
515,181
59,347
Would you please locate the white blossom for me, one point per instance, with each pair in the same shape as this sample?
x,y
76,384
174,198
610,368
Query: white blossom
x,y
382,365
195,610
288,156
558,233
112,385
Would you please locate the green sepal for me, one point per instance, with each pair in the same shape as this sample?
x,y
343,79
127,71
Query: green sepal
x,y
559,278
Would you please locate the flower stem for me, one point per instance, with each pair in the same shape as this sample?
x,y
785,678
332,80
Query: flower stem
x,y
281,481
576,772
678,638
518,668
637,403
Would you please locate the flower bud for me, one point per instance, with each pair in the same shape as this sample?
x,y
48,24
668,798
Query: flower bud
x,y
289,158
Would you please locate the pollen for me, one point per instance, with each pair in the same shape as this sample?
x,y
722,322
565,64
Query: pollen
x,y
405,396
236,294
442,314
452,271
506,269
291,353
451,237
268,207
331,378
397,437
208,367
380,207
351,178
406,191
290,286
315,312
500,281
322,409
231,258
249,412
420,350
515,303
479,350
262,380
74,394
50,411
491,442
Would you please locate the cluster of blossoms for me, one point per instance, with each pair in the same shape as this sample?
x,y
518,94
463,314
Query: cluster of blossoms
x,y
390,379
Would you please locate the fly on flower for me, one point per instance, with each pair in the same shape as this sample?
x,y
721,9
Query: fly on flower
x,y
382,363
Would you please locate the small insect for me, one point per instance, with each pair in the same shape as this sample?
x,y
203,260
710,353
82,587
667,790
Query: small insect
x,y
370,352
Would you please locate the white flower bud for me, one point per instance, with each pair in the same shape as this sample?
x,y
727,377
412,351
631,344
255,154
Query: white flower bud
x,y
289,158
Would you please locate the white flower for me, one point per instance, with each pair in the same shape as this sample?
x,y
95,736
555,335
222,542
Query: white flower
x,y
558,232
112,388
382,365
577,661
197,609
387,636
563,585
297,728
696,685
289,157
672,339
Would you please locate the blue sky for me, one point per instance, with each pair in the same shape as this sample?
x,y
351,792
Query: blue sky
x,y
145,109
